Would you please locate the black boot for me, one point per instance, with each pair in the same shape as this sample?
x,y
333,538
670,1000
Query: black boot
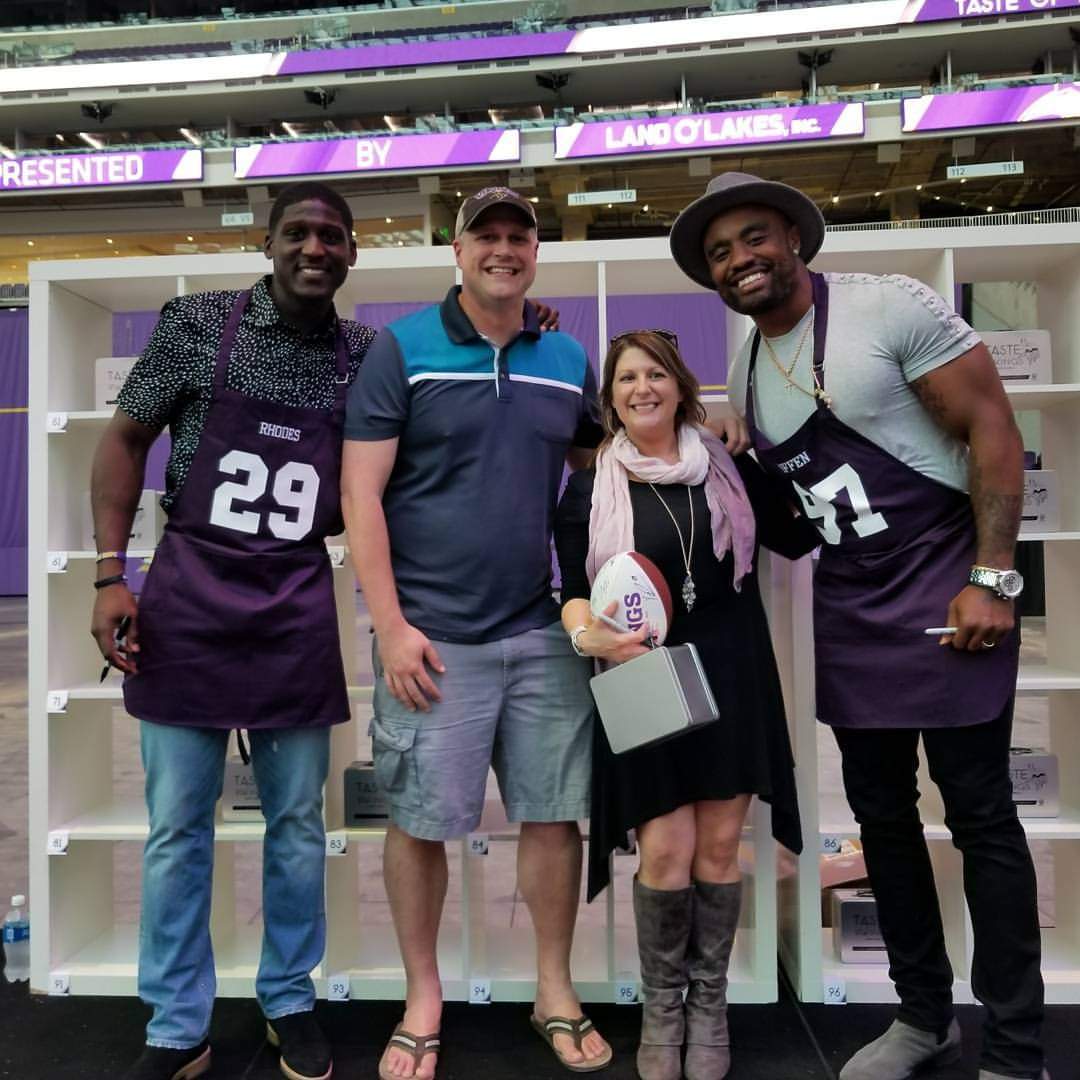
x,y
662,918
712,934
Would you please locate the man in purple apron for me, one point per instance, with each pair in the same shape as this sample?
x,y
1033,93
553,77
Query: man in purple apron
x,y
885,414
236,625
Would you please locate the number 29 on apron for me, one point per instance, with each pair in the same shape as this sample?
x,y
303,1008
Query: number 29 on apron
x,y
237,619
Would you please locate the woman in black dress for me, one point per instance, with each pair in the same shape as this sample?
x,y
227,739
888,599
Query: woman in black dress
x,y
664,486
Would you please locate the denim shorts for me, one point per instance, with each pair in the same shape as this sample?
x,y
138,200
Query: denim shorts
x,y
521,705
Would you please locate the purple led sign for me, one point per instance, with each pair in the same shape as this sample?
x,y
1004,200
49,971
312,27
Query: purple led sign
x,y
377,153
109,169
704,131
982,108
416,53
940,10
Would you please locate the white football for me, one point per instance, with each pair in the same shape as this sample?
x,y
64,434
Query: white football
x,y
636,584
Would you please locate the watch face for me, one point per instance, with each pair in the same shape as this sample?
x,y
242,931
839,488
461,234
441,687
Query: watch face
x,y
1010,583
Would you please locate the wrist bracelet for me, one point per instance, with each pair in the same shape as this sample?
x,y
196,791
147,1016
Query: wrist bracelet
x,y
575,634
115,579
104,556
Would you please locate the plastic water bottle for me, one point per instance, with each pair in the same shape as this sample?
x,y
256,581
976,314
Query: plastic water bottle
x,y
17,941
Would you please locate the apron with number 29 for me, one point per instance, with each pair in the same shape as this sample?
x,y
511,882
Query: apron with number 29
x,y
897,548
237,623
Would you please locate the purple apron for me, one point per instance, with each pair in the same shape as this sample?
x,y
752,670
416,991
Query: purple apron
x,y
237,621
897,548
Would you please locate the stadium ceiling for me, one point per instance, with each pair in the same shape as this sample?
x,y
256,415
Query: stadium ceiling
x,y
864,187
134,22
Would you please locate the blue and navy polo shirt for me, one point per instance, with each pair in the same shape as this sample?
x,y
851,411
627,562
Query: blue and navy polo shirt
x,y
483,435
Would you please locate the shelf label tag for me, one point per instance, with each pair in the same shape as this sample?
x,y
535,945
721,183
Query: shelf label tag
x,y
337,843
831,845
59,983
58,842
337,987
625,991
478,843
834,991
337,555
479,991
56,422
56,701
57,562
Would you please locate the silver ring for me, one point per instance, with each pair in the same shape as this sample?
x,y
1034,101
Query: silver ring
x,y
988,644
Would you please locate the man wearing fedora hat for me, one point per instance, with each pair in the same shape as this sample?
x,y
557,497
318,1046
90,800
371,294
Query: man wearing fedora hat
x,y
883,411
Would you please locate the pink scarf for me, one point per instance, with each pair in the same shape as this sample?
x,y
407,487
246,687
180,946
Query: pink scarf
x,y
702,456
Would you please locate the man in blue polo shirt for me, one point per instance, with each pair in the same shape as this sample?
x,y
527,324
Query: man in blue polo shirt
x,y
457,431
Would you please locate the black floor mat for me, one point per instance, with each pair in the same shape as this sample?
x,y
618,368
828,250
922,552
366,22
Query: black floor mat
x,y
84,1038
841,1030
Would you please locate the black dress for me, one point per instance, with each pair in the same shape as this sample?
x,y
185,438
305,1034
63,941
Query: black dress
x,y
747,750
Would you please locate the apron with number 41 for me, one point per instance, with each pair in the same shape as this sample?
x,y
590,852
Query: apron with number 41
x,y
897,548
237,621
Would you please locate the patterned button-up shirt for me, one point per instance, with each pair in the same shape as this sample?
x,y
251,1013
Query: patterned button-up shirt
x,y
172,382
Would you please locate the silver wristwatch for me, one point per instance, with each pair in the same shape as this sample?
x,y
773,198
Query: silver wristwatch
x,y
1006,584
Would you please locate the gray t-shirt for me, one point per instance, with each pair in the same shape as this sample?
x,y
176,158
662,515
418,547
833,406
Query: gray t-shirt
x,y
884,332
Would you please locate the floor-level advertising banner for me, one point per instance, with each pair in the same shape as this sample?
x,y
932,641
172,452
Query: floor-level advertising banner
x,y
983,108
709,131
117,168
377,153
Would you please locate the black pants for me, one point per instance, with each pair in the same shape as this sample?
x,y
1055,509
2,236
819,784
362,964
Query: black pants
x,y
971,767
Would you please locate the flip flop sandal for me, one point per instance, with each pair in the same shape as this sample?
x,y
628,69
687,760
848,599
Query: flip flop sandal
x,y
417,1046
577,1030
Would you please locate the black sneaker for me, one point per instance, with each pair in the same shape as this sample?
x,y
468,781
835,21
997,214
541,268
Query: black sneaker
x,y
161,1063
305,1053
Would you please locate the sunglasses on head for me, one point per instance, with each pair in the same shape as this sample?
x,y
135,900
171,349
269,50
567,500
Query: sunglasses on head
x,y
668,335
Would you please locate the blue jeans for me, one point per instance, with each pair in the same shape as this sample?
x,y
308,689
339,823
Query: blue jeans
x,y
184,769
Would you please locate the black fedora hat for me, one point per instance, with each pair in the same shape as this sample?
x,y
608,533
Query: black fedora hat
x,y
733,189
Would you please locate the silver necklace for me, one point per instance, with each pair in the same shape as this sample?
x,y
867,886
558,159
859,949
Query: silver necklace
x,y
689,591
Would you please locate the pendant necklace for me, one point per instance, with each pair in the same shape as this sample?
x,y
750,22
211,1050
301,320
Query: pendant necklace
x,y
689,592
816,390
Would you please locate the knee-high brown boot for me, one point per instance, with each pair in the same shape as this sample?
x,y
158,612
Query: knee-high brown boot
x,y
662,917
712,934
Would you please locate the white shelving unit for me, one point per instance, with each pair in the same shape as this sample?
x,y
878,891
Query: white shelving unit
x,y
85,823
79,941
1049,257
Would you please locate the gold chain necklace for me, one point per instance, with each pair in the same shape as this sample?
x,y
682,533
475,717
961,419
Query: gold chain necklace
x,y
786,371
816,391
689,590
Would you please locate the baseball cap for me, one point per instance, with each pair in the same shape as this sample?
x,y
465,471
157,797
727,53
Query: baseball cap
x,y
485,199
